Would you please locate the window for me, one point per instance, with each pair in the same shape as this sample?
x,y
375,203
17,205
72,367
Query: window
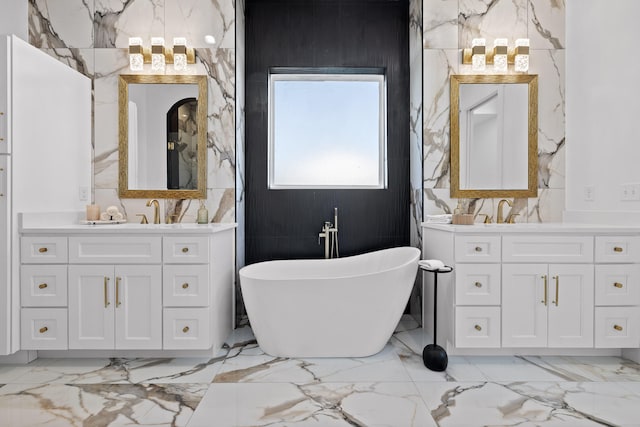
x,y
327,130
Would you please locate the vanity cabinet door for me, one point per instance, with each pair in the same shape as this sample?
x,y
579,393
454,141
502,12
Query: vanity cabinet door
x,y
547,305
138,307
91,302
524,310
115,307
571,297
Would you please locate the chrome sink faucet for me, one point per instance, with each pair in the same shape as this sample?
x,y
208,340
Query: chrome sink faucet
x,y
156,210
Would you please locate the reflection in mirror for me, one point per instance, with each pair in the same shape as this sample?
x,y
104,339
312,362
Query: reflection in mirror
x,y
494,136
163,136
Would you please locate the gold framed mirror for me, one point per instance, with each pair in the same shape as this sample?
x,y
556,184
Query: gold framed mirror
x,y
494,136
162,136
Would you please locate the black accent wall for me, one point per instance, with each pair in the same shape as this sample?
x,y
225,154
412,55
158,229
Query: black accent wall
x,y
284,224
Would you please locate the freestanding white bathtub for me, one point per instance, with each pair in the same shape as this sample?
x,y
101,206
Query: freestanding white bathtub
x,y
345,307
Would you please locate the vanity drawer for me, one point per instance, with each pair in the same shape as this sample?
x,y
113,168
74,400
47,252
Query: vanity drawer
x,y
186,328
115,250
186,249
617,249
185,285
481,248
43,329
557,249
617,284
478,327
43,250
617,327
477,284
43,285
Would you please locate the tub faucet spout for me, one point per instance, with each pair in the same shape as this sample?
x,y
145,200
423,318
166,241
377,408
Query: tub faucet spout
x,y
330,235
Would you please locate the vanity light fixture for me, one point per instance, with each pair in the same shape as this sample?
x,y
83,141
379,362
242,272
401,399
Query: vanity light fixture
x,y
157,54
478,55
179,53
521,56
500,61
500,56
136,54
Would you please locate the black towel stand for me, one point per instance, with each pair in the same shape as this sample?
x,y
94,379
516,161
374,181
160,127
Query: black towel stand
x,y
435,357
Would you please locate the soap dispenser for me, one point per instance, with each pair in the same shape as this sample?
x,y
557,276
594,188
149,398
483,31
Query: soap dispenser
x,y
203,213
459,209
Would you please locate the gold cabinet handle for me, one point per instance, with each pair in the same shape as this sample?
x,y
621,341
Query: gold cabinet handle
x,y
617,284
106,292
617,249
185,250
617,327
478,249
43,329
478,284
118,302
42,286
185,329
42,250
546,290
185,285
557,289
478,327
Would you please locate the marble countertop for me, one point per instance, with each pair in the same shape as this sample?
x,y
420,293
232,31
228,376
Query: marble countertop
x,y
542,227
71,223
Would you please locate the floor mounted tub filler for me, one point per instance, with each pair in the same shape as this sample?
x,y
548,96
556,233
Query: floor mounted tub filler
x,y
344,307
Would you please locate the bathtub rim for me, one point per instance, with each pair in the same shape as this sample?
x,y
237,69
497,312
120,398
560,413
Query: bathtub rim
x,y
242,273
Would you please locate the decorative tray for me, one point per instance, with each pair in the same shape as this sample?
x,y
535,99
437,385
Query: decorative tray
x,y
101,222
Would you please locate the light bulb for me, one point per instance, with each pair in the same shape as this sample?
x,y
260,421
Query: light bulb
x,y
478,57
157,54
521,61
500,55
136,58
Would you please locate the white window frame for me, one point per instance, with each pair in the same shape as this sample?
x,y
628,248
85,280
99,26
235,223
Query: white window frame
x,y
377,77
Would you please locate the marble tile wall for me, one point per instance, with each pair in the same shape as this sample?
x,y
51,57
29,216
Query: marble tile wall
x,y
92,37
448,26
415,140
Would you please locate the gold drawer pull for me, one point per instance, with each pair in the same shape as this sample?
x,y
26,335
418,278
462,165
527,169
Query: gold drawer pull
x,y
185,329
478,328
106,293
617,285
185,250
617,327
43,329
478,249
185,285
42,286
617,249
478,284
42,250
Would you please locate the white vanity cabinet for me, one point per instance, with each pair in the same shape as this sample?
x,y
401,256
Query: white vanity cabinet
x,y
547,305
115,307
534,286
139,287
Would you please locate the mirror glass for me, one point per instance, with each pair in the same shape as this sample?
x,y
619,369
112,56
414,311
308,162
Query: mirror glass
x,y
163,126
494,136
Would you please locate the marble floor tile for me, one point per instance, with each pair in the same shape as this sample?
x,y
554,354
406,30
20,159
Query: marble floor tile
x,y
243,386
253,365
492,404
592,368
510,368
98,404
322,405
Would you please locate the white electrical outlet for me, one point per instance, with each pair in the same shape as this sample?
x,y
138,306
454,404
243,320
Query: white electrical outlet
x,y
630,192
589,193
83,194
